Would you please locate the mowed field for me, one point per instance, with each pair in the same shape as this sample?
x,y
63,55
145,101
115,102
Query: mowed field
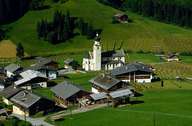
x,y
7,49
159,108
143,34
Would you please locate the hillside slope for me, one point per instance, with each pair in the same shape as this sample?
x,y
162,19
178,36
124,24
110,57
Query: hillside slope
x,y
142,34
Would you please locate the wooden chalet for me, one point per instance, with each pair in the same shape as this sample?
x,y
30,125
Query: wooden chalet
x,y
67,94
105,83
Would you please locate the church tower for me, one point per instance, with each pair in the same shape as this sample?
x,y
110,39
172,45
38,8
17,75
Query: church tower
x,y
97,54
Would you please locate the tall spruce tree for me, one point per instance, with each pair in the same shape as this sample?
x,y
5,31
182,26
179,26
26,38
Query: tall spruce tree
x,y
20,50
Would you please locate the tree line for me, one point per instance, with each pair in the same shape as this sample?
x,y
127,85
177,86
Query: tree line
x,y
169,11
62,28
12,9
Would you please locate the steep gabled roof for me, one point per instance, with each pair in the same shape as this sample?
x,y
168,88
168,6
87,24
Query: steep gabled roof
x,y
66,89
105,82
133,67
25,99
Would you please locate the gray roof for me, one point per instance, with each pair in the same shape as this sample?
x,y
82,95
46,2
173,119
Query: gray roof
x,y
99,96
104,81
66,89
38,67
43,61
25,99
12,67
10,92
113,53
121,93
133,67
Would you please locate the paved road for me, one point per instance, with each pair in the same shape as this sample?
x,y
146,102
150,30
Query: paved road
x,y
33,121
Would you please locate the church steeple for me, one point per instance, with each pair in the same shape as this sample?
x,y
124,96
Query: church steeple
x,y
97,53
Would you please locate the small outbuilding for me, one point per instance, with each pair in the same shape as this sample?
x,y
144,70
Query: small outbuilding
x,y
120,18
172,57
121,96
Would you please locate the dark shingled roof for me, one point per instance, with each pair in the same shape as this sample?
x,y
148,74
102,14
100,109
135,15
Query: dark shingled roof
x,y
10,92
105,82
131,68
113,53
12,67
66,89
38,67
25,99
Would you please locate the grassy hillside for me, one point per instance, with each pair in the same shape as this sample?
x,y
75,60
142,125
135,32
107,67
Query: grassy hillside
x,y
143,33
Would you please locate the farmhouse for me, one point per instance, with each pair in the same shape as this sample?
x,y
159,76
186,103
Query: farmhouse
x,y
121,18
172,57
26,103
134,72
98,60
47,71
66,93
105,83
13,69
8,93
46,62
31,79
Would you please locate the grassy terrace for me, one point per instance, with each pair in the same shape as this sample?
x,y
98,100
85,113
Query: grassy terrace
x,y
143,33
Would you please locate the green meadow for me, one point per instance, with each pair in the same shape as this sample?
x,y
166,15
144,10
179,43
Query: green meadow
x,y
143,34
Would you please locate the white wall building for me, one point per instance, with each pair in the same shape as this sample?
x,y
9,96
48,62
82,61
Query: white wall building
x,y
98,60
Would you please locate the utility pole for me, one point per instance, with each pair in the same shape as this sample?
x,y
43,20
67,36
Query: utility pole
x,y
154,119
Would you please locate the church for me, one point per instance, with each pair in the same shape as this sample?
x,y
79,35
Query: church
x,y
107,60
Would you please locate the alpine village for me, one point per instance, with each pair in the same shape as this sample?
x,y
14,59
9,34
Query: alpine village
x,y
95,63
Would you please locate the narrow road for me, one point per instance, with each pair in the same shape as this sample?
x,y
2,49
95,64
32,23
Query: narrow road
x,y
33,121
79,110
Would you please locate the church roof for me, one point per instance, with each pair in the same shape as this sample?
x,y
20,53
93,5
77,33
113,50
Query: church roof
x,y
112,62
113,53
